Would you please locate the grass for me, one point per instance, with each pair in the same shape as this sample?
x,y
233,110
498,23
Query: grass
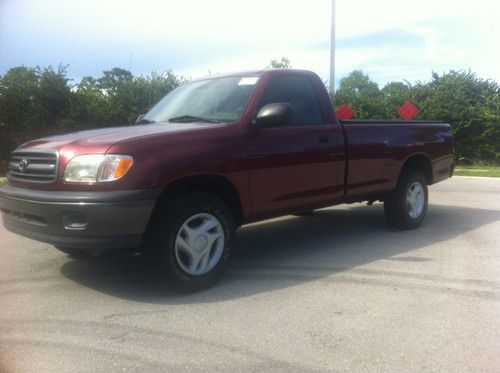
x,y
477,170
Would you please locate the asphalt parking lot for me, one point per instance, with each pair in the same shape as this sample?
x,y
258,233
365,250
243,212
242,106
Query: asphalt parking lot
x,y
334,290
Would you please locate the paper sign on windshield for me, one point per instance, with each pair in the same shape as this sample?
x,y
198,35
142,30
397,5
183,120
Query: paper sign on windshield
x,y
251,80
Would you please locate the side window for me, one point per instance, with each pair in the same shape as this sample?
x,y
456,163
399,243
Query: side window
x,y
299,92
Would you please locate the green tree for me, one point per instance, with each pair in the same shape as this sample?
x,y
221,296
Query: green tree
x,y
396,94
115,99
89,107
137,96
88,83
19,90
472,106
284,63
35,102
114,78
362,95
54,93
19,109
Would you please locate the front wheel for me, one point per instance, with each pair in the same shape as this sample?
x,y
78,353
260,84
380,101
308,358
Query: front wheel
x,y
192,240
406,207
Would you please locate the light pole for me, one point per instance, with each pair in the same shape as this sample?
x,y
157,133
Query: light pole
x,y
332,52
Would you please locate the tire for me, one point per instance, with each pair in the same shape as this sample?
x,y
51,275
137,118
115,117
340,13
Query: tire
x,y
406,207
73,252
191,240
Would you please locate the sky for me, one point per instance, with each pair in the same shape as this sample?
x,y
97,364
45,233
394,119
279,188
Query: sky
x,y
390,40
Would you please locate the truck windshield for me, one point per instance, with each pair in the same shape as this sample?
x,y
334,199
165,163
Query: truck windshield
x,y
212,100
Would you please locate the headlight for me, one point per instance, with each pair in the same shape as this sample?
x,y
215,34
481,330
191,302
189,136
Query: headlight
x,y
91,168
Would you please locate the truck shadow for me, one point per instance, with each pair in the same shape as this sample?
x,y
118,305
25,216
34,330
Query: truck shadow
x,y
282,253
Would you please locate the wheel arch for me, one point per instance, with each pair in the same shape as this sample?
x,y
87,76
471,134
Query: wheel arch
x,y
216,185
419,162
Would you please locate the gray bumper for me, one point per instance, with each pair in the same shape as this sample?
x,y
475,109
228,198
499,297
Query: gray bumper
x,y
90,220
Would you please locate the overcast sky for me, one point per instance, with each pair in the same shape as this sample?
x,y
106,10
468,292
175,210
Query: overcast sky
x,y
388,39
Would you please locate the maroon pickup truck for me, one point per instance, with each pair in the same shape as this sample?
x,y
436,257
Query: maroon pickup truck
x,y
212,155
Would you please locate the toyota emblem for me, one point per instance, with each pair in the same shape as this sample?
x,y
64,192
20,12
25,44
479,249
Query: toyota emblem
x,y
23,165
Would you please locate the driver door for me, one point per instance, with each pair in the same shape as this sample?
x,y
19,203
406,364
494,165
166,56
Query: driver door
x,y
294,165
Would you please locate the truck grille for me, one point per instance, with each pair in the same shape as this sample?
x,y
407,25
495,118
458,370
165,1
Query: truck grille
x,y
37,166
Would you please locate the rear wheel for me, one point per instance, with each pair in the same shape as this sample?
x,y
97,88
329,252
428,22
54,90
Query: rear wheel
x,y
192,239
406,207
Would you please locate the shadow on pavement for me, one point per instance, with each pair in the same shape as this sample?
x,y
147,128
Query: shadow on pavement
x,y
280,254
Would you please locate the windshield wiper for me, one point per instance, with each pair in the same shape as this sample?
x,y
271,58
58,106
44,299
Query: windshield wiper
x,y
145,121
191,118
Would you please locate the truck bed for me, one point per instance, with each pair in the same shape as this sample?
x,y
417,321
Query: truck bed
x,y
376,149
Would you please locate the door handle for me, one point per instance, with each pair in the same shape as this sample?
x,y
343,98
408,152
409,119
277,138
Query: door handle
x,y
325,139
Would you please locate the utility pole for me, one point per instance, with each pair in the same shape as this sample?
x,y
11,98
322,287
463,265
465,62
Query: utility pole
x,y
332,52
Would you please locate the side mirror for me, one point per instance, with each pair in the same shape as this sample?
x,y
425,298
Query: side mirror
x,y
275,114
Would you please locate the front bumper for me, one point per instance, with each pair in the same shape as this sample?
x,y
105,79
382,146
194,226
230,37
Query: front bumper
x,y
88,220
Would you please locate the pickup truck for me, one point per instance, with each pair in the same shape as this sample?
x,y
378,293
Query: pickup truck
x,y
212,155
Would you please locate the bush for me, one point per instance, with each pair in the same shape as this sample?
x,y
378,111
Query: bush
x,y
37,102
470,104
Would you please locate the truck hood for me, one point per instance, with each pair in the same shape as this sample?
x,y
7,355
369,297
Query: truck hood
x,y
102,139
